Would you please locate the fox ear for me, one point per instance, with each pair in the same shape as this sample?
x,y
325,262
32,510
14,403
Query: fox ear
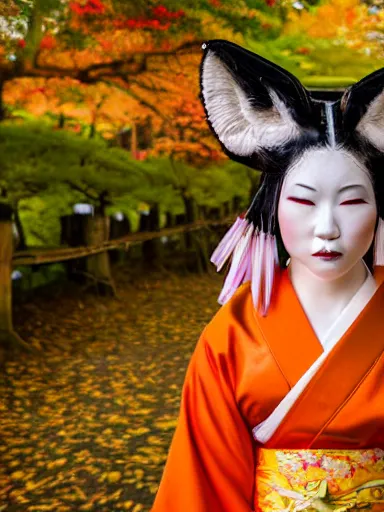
x,y
362,106
251,104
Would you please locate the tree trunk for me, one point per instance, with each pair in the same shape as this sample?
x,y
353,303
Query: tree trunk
x,y
61,121
117,229
6,252
190,216
21,246
34,36
73,229
98,268
203,210
8,337
195,241
171,220
133,140
2,106
153,250
92,131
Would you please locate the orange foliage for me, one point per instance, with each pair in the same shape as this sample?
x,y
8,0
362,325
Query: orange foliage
x,y
185,135
330,20
167,94
348,21
108,108
143,82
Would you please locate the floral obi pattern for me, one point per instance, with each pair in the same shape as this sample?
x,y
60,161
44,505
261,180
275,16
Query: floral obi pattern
x,y
321,480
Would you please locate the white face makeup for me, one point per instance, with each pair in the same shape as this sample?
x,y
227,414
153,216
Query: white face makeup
x,y
327,213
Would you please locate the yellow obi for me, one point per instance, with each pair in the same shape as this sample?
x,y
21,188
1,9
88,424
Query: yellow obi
x,y
309,480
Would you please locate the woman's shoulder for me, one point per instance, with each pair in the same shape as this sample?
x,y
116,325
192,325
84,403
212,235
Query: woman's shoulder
x,y
232,321
378,274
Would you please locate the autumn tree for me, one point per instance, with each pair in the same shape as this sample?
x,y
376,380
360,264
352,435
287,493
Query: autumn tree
x,y
116,41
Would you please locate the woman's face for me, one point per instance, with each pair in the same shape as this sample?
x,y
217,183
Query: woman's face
x,y
327,213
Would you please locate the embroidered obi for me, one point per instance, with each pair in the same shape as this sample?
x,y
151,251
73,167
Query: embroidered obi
x,y
319,480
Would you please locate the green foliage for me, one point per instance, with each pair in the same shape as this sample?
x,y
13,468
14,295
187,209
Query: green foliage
x,y
216,185
40,215
328,82
326,63
281,51
326,59
35,157
45,172
34,278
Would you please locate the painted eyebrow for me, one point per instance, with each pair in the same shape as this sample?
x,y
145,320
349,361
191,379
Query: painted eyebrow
x,y
305,186
351,186
347,187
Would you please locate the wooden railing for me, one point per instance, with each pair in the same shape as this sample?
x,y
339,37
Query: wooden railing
x,y
40,256
9,260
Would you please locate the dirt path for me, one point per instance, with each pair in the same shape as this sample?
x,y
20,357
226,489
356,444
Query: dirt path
x,y
87,427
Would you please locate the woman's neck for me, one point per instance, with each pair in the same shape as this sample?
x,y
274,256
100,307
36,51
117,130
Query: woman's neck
x,y
322,297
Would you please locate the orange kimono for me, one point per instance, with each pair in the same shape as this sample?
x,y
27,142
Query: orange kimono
x,y
242,368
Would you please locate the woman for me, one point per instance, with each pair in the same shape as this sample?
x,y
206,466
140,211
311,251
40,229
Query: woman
x,y
283,401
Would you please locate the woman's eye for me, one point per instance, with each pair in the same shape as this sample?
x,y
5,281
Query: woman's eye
x,y
301,201
354,201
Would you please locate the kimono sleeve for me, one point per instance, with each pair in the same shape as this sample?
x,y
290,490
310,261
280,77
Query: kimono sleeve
x,y
210,465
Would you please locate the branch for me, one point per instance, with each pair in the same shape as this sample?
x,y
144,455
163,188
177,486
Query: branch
x,y
136,96
147,104
39,236
83,191
149,88
132,65
44,255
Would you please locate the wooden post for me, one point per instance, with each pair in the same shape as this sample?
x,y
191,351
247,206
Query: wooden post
x,y
118,228
6,251
153,250
73,229
195,242
98,265
8,337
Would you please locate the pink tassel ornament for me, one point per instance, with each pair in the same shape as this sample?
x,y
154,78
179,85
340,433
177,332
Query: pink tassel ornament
x,y
254,258
269,267
264,264
238,266
248,272
230,240
257,268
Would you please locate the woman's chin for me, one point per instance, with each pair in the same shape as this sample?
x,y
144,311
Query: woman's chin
x,y
326,270
331,270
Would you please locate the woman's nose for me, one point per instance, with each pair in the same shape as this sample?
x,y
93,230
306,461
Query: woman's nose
x,y
326,225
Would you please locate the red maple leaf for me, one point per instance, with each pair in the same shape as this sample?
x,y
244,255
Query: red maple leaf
x,y
88,7
48,42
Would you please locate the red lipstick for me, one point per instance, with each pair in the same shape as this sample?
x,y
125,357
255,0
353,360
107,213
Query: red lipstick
x,y
327,255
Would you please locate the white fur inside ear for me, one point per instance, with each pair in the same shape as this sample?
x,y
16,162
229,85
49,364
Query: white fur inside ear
x,y
242,128
371,125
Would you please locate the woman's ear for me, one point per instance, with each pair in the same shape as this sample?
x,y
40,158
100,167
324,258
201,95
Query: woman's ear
x,y
251,104
362,106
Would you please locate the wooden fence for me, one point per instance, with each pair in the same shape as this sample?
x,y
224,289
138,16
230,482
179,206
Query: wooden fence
x,y
37,256
10,260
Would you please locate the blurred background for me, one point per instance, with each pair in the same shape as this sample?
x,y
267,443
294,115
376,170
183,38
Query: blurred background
x,y
113,195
